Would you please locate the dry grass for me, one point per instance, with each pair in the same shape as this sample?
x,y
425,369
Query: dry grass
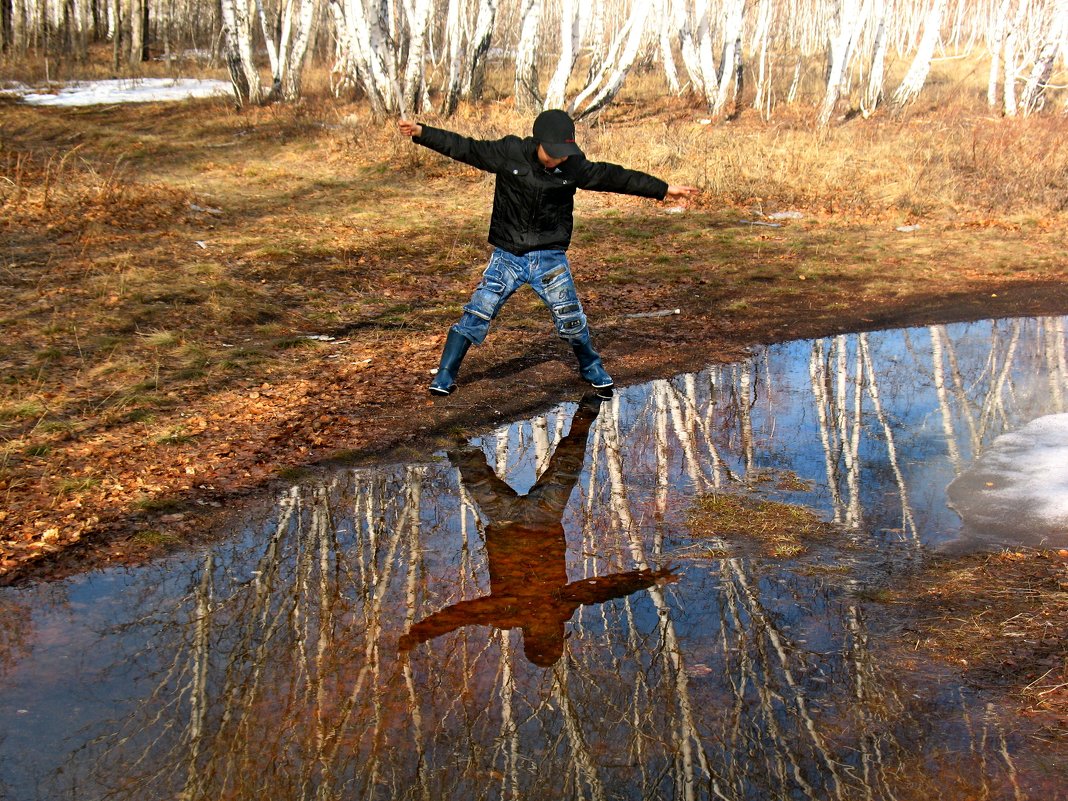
x,y
782,529
1000,619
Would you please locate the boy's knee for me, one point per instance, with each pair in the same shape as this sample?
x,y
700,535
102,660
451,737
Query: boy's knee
x,y
570,320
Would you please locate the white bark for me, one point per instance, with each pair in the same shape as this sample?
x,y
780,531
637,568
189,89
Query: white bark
x,y
1000,22
873,94
570,43
1033,97
480,44
237,38
761,36
668,31
527,95
366,54
620,59
418,20
843,42
295,20
921,64
732,34
454,44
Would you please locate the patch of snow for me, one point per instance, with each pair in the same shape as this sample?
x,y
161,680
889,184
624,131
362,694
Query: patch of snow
x,y
144,90
907,229
785,215
1017,491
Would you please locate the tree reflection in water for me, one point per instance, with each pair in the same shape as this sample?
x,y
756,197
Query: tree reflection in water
x,y
268,666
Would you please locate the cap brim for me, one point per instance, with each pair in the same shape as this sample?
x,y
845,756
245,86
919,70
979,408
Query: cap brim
x,y
559,150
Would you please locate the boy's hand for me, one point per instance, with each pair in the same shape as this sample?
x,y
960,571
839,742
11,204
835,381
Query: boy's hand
x,y
409,128
679,192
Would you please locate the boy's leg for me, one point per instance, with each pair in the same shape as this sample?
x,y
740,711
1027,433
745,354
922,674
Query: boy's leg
x,y
556,287
499,280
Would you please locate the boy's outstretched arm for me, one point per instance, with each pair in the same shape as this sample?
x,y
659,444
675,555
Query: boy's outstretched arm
x,y
488,155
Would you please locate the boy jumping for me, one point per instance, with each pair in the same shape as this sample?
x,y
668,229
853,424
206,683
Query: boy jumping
x,y
530,229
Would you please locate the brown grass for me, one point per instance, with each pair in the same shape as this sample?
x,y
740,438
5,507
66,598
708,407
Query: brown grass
x,y
161,261
783,530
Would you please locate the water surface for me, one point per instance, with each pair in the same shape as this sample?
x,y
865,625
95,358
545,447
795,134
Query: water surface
x,y
529,614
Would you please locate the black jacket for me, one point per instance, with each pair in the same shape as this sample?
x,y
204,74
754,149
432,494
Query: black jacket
x,y
533,208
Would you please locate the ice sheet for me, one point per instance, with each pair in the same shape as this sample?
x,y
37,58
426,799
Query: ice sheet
x,y
145,90
1019,486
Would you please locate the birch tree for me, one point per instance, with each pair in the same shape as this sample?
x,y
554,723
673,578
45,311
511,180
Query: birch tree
x,y
237,20
414,85
474,79
873,93
730,61
527,95
294,22
914,79
1033,97
570,44
841,46
604,87
454,43
365,55
997,40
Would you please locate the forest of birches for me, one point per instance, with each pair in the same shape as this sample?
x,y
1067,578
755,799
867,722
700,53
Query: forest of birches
x,y
408,56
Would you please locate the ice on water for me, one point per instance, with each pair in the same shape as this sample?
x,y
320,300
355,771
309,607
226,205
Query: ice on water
x,y
1019,486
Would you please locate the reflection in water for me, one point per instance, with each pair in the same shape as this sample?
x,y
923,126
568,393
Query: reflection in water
x,y
283,662
526,549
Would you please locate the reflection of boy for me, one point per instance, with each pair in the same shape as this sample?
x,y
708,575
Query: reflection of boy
x,y
530,229
526,550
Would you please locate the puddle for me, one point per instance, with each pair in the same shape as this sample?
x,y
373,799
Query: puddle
x,y
531,614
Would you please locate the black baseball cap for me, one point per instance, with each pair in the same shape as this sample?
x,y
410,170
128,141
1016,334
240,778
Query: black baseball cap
x,y
555,131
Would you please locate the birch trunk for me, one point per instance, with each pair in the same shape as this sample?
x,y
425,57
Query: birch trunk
x,y
419,18
921,64
237,41
475,78
367,54
454,44
1033,97
667,34
761,36
300,37
840,47
732,34
617,66
1009,60
570,43
873,94
137,31
527,95
1000,23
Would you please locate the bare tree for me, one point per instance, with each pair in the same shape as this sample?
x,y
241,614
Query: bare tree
x,y
1033,96
914,79
527,93
237,19
603,88
849,21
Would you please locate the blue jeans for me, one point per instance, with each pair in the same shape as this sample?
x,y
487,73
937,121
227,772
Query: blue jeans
x,y
549,275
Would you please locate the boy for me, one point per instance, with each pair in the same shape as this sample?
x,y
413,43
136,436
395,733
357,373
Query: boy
x,y
530,229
